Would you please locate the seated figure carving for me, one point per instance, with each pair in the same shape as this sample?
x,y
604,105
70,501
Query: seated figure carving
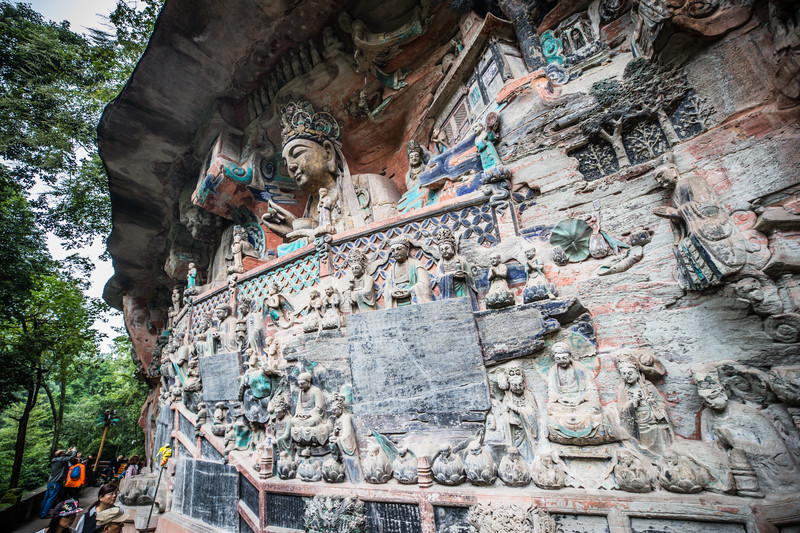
x,y
309,423
574,412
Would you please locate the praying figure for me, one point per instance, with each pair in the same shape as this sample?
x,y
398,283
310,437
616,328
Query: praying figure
x,y
278,308
407,282
452,270
537,287
499,294
574,412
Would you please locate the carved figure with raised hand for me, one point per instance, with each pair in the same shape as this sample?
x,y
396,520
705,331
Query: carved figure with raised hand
x,y
360,293
707,245
519,411
574,412
499,294
730,425
447,468
278,308
344,437
643,411
314,158
377,468
537,287
309,423
548,471
453,272
407,281
479,465
280,423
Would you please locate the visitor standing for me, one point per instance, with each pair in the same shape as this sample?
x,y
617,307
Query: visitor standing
x,y
106,498
76,476
58,471
63,517
91,477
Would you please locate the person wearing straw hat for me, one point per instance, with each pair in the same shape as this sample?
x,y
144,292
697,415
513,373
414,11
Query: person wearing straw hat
x,y
63,517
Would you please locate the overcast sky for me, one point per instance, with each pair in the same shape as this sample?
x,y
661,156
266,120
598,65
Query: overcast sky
x,y
84,14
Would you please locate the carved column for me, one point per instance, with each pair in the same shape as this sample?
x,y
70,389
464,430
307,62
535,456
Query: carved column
x,y
521,13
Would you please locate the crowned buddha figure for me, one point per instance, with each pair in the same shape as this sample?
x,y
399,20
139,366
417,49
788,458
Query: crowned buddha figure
x,y
407,281
643,411
519,412
360,293
452,270
574,412
707,245
313,154
414,197
309,423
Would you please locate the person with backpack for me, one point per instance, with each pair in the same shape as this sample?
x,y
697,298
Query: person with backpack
x,y
58,471
76,477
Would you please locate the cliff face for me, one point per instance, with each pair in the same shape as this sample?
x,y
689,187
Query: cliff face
x,y
589,283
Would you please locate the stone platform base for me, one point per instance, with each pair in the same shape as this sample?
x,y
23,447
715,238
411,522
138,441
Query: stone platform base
x,y
178,523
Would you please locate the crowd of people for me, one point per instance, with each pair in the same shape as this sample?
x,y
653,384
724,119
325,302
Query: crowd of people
x,y
69,473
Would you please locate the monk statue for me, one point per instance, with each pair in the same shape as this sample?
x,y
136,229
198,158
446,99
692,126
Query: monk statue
x,y
707,245
407,281
225,335
574,412
309,423
313,154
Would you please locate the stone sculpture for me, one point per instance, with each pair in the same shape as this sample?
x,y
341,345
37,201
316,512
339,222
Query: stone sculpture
x,y
537,287
630,472
682,474
314,312
414,197
499,295
485,135
377,468
343,437
192,385
633,255
707,245
309,468
309,423
278,307
202,418
643,411
331,313
513,470
574,412
240,248
518,411
404,467
253,323
360,293
256,389
560,257
286,467
204,341
334,514
332,467
730,425
479,465
447,468
191,279
225,334
315,161
453,272
548,471
407,281
220,412
496,517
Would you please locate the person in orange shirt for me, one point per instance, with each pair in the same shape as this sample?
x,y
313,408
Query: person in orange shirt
x,y
76,477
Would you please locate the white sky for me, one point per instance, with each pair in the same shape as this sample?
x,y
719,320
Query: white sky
x,y
84,14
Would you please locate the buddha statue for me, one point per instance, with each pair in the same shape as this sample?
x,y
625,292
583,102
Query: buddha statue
x,y
309,423
407,282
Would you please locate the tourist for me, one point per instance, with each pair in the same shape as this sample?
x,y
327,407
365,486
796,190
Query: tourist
x,y
58,471
63,517
113,465
111,520
76,476
133,467
106,497
91,476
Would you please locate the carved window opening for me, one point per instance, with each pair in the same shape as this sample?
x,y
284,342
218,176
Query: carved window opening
x,y
576,33
458,122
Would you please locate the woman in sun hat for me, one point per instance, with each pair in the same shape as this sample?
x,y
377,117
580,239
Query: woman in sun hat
x,y
63,517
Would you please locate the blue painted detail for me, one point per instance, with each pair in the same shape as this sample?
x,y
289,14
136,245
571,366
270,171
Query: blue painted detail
x,y
287,248
209,186
516,275
443,170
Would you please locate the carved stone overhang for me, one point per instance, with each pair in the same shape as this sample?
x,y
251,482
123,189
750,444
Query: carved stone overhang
x,y
200,64
464,64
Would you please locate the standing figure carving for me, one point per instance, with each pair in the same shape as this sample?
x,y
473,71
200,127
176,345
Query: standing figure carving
x,y
253,325
360,293
226,330
331,314
278,308
707,245
499,294
643,411
518,412
240,248
344,437
407,281
414,197
256,389
452,270
537,287
574,412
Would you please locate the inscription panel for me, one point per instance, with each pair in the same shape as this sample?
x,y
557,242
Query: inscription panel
x,y
285,511
574,523
249,494
210,492
653,525
392,518
451,519
220,375
208,451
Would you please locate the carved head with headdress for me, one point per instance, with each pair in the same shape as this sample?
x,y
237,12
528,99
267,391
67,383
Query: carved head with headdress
x,y
357,259
412,148
710,388
446,241
628,367
400,247
338,404
244,304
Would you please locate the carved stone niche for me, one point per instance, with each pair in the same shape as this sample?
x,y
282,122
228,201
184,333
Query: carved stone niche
x,y
503,518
